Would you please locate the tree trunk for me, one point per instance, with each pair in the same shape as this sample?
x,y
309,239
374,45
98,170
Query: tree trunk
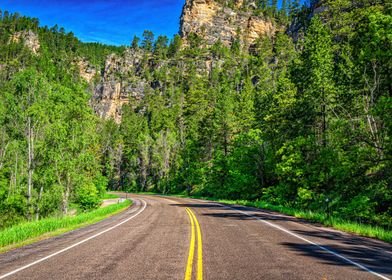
x,y
66,195
13,177
324,125
369,103
30,167
37,208
3,151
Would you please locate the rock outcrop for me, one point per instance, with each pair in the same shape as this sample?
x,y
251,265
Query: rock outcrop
x,y
121,83
86,70
29,39
213,21
124,80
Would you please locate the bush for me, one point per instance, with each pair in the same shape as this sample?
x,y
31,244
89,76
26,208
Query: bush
x,y
87,197
101,182
12,209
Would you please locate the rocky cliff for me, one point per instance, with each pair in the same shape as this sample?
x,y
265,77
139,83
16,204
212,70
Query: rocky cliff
x,y
86,70
215,20
121,83
123,79
29,39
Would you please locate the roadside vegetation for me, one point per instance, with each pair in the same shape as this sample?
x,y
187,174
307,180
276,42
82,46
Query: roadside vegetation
x,y
29,232
302,119
110,196
305,123
323,218
320,217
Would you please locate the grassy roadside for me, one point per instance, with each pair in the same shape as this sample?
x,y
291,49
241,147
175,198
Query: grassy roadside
x,y
313,216
110,196
30,232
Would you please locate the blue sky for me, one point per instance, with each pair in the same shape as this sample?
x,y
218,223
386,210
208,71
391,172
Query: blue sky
x,y
105,21
111,22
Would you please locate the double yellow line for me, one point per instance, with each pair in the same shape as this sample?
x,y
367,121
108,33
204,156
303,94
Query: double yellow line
x,y
189,266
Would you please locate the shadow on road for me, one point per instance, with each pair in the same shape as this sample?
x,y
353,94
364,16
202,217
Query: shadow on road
x,y
254,213
370,258
200,205
374,254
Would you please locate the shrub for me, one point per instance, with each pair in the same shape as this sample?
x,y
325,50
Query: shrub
x,y
87,197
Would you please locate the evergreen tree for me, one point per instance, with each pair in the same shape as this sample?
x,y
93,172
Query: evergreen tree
x,y
135,42
318,88
160,46
274,7
148,40
175,46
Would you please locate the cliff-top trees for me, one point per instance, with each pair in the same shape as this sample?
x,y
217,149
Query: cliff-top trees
x,y
148,40
135,42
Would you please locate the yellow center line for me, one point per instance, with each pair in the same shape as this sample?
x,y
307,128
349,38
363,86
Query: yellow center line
x,y
188,273
199,249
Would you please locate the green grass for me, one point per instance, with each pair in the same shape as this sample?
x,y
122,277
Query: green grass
x,y
322,218
313,216
110,196
29,232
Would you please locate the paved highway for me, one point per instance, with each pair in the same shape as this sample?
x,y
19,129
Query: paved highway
x,y
172,238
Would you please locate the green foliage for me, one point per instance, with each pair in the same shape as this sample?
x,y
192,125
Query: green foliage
x,y
148,40
12,209
87,197
302,124
135,42
49,143
175,46
101,183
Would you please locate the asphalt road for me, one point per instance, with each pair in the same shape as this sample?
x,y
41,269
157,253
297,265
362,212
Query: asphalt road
x,y
171,238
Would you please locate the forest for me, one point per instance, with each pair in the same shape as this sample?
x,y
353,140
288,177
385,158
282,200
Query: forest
x,y
302,119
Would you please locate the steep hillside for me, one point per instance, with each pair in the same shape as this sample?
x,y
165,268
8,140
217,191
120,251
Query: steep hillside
x,y
121,83
208,22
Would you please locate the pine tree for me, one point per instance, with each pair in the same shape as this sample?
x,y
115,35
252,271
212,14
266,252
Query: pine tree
x,y
283,10
148,40
160,46
274,7
135,42
175,46
318,76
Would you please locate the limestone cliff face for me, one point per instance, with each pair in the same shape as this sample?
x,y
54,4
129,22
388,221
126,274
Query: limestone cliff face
x,y
121,83
123,80
213,21
29,39
123,77
86,70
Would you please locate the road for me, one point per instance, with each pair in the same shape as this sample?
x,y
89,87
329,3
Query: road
x,y
172,238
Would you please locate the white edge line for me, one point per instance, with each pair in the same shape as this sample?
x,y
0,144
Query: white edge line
x,y
310,242
306,240
74,245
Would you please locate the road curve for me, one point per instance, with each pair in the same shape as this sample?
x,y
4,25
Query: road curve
x,y
171,238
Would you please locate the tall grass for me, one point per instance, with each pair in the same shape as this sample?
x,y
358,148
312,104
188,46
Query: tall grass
x,y
29,232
